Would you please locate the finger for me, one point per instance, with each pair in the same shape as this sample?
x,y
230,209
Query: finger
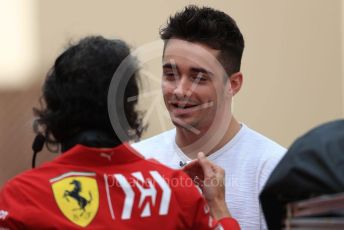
x,y
189,165
206,165
194,169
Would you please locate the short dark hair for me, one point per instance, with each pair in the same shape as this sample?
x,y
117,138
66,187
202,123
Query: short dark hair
x,y
76,88
211,27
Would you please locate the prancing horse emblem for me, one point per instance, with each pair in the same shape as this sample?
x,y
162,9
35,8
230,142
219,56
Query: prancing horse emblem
x,y
75,194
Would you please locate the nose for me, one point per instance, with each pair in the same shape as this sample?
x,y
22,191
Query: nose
x,y
182,87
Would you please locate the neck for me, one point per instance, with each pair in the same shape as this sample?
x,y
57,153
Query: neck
x,y
91,138
207,141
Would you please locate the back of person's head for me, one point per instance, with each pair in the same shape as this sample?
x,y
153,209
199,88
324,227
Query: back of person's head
x,y
76,88
210,27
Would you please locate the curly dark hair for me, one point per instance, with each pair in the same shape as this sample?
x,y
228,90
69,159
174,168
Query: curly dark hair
x,y
211,27
76,88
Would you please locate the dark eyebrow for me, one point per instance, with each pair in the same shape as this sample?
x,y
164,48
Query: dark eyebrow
x,y
168,66
192,69
201,70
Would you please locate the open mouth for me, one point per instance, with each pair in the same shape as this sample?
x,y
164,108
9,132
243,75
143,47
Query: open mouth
x,y
183,105
186,107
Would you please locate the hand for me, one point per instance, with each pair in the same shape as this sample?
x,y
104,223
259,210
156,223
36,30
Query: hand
x,y
195,171
211,179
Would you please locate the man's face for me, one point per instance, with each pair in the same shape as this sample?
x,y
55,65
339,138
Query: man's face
x,y
194,85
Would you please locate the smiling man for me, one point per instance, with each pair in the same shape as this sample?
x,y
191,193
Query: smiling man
x,y
198,94
201,75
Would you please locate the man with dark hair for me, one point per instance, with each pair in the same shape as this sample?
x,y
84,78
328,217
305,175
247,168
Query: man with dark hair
x,y
201,74
99,182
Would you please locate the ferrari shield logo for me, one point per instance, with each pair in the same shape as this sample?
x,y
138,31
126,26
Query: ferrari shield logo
x,y
77,196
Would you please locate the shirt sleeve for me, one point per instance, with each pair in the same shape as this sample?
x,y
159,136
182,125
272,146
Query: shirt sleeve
x,y
203,219
228,223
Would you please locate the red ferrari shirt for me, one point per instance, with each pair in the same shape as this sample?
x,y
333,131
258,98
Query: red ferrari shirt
x,y
105,189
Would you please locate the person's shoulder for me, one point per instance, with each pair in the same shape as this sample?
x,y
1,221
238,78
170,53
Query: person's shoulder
x,y
178,176
262,143
177,180
28,178
186,197
152,164
25,185
150,145
267,153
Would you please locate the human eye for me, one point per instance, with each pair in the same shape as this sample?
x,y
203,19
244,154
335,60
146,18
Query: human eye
x,y
170,75
200,78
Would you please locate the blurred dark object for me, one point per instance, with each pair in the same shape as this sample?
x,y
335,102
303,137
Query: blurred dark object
x,y
37,146
321,213
313,166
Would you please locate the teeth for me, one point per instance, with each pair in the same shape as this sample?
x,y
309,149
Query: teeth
x,y
184,106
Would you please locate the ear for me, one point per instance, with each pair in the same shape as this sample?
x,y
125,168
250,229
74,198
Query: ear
x,y
236,80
